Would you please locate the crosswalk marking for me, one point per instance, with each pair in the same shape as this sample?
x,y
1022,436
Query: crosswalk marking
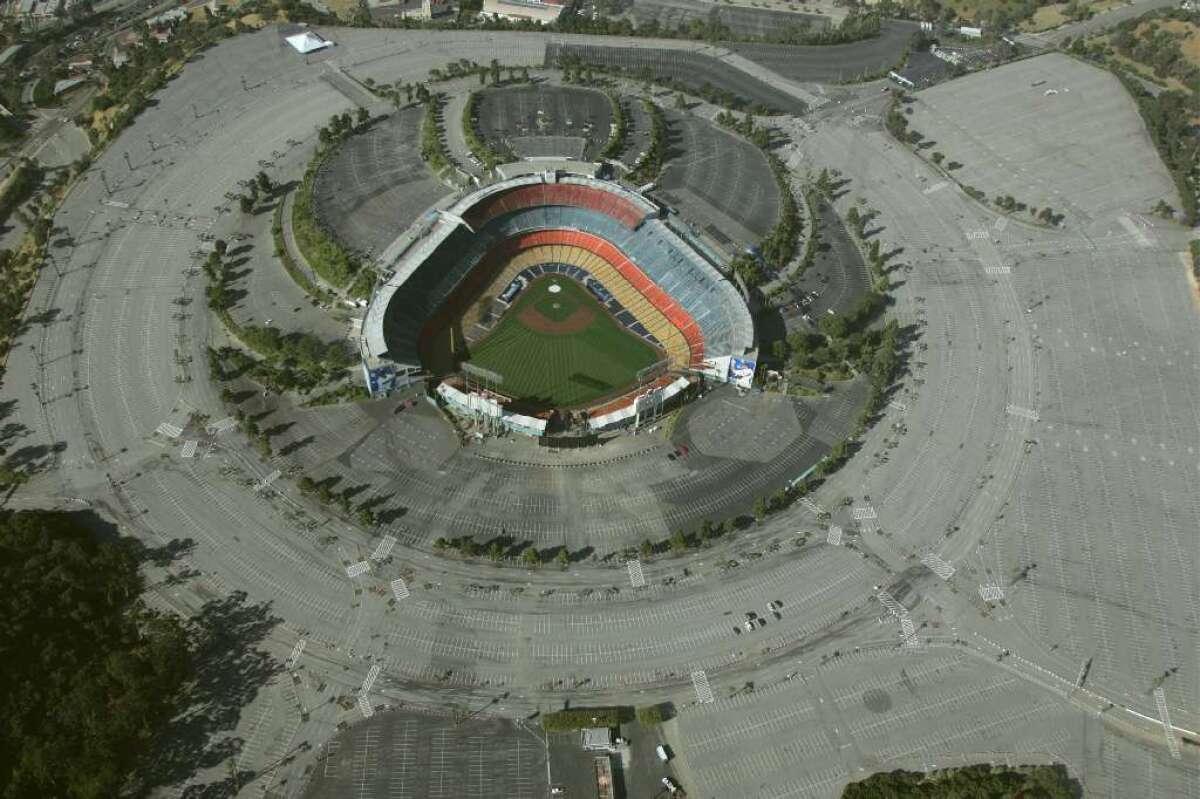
x,y
704,693
864,512
220,426
1160,698
835,536
636,578
399,589
266,481
384,547
893,607
169,430
372,673
364,706
991,593
812,506
997,270
938,566
355,569
294,658
189,448
1023,413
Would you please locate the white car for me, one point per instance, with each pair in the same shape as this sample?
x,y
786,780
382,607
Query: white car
x,y
662,753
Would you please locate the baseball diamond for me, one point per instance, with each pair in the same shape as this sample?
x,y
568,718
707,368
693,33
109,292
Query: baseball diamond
x,y
561,349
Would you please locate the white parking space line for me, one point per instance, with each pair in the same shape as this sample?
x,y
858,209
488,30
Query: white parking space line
x,y
384,547
812,506
636,578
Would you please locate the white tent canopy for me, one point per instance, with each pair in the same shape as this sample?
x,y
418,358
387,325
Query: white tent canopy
x,y
308,42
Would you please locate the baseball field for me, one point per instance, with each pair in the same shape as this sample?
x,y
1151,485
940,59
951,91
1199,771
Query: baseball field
x,y
557,347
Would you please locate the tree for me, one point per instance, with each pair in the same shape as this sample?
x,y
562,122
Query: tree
x,y
678,541
92,677
263,180
562,557
647,548
495,71
760,508
220,246
246,203
366,517
833,326
361,116
531,556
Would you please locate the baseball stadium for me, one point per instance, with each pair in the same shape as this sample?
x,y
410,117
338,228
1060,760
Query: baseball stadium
x,y
554,296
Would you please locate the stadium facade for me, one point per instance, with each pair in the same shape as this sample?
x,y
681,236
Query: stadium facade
x,y
460,265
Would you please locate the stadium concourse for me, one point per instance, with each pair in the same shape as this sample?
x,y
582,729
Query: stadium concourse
x,y
454,277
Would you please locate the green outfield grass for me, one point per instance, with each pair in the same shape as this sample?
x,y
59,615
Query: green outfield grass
x,y
561,369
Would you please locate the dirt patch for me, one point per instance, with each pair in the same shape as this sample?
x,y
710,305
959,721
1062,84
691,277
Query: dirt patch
x,y
535,321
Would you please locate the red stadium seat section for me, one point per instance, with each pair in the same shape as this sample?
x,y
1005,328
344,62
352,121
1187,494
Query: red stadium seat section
x,y
605,202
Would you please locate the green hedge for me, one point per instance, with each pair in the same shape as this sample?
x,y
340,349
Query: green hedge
x,y
478,147
433,149
579,718
616,139
651,164
333,264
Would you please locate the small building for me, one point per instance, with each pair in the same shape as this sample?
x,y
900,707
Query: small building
x,y
167,17
161,35
596,739
517,10
79,63
63,85
308,42
118,56
128,39
970,33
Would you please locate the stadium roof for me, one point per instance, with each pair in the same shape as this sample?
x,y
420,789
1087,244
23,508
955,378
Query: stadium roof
x,y
308,42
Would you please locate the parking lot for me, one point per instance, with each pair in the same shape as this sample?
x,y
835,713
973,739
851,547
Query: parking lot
x,y
545,120
1050,131
376,184
740,20
693,70
837,63
718,182
405,755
